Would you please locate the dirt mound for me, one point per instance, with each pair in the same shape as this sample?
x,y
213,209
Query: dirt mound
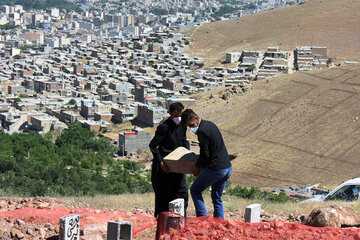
x,y
211,229
12,203
227,93
38,218
43,222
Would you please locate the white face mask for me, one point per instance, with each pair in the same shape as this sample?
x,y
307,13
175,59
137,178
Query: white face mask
x,y
194,129
176,120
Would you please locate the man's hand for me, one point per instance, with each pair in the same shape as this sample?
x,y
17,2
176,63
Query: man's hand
x,y
195,171
164,167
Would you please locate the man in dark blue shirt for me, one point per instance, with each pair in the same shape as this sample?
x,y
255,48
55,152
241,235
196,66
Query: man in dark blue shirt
x,y
213,167
168,136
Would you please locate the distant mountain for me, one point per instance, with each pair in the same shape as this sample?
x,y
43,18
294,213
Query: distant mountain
x,y
331,23
40,4
298,129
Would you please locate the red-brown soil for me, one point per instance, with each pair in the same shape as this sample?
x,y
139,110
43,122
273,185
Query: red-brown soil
x,y
38,218
210,228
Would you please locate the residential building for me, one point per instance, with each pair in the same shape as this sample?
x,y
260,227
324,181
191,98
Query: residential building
x,y
232,57
134,141
150,115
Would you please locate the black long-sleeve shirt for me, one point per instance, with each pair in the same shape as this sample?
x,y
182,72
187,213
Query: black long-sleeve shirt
x,y
168,137
213,153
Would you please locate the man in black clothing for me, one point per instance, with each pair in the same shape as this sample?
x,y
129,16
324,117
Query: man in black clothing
x,y
168,136
213,167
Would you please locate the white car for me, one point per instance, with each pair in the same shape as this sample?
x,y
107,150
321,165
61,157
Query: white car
x,y
347,191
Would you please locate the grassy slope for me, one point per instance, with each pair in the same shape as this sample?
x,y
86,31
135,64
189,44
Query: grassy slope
x,y
331,23
295,129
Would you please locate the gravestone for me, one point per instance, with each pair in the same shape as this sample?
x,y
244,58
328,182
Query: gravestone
x,y
168,221
70,227
119,231
252,213
177,206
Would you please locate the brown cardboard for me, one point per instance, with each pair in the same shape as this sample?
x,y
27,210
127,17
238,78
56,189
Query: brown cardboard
x,y
181,160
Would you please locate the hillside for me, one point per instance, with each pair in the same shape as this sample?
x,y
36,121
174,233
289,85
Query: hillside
x,y
331,23
295,129
39,4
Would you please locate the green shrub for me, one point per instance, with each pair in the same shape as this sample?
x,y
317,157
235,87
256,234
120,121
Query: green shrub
x,y
78,163
256,193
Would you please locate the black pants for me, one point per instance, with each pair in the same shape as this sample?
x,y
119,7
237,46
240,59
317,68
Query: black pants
x,y
167,187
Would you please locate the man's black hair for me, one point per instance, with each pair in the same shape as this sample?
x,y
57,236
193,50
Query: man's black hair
x,y
187,116
176,106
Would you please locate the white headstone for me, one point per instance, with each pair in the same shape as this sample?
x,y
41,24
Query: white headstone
x,y
70,227
252,213
177,206
119,231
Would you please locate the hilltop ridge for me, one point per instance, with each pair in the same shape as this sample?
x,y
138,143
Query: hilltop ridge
x,y
332,23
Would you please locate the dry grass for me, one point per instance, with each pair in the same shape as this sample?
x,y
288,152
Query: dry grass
x,y
235,204
124,201
331,23
231,204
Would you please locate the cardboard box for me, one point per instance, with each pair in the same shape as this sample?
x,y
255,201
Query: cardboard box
x,y
181,160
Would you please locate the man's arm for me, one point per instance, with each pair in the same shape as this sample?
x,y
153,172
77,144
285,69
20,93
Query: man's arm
x,y
204,150
157,139
184,142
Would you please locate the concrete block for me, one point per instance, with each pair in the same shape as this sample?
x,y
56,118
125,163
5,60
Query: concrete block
x,y
181,160
177,206
70,227
252,213
119,231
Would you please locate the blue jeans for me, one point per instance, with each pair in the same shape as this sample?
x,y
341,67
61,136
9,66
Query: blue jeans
x,y
217,180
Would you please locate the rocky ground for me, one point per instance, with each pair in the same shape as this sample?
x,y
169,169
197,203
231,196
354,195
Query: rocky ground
x,y
18,229
37,218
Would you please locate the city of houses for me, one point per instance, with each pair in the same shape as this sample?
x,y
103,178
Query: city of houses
x,y
104,69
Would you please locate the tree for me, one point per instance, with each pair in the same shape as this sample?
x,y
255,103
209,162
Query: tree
x,y
105,130
251,68
296,66
7,26
71,102
31,164
158,40
30,26
225,9
159,11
